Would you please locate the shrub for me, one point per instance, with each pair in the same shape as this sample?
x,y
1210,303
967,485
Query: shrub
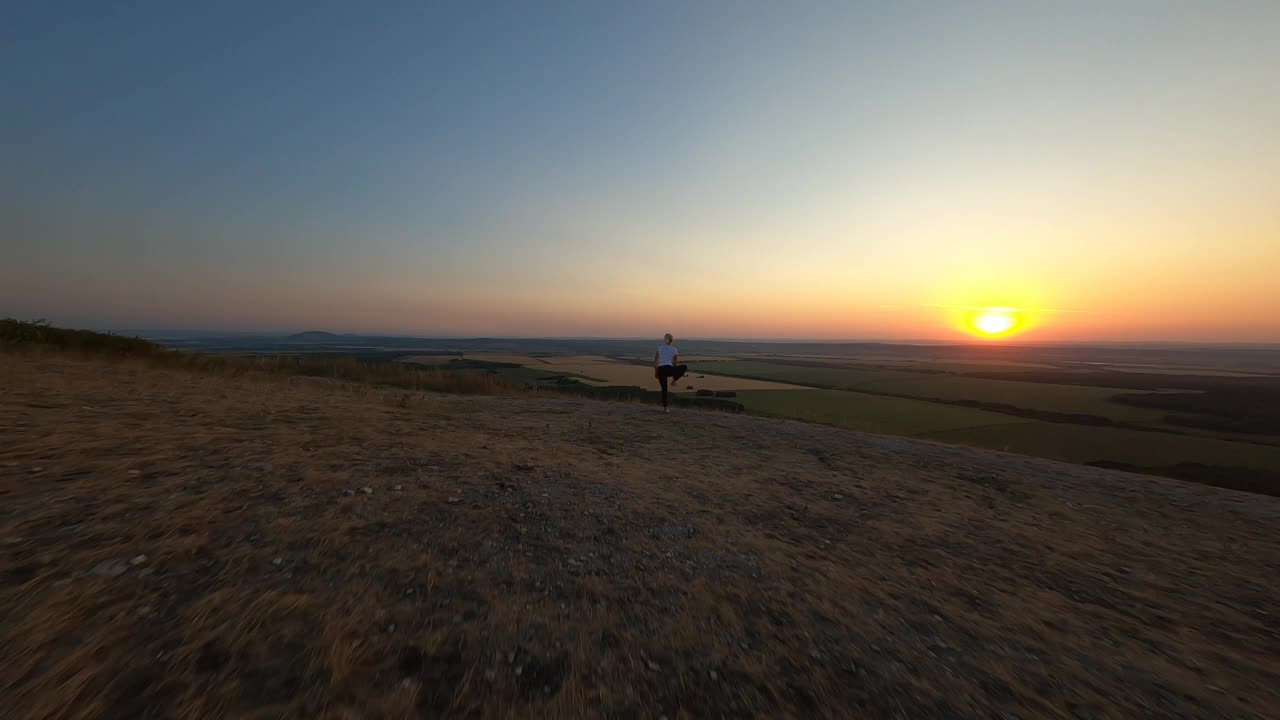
x,y
40,332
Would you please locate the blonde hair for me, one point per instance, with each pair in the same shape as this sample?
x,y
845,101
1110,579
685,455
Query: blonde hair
x,y
669,338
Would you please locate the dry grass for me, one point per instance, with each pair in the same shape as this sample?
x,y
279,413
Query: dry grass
x,y
38,339
520,557
429,359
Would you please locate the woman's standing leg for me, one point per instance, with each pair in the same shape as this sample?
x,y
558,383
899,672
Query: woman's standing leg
x,y
662,379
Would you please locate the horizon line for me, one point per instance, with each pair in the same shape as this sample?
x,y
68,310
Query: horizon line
x,y
281,334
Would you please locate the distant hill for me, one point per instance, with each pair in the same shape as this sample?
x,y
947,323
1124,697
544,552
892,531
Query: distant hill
x,y
315,336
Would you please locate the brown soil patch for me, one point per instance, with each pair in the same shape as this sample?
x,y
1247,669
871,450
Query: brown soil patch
x,y
175,544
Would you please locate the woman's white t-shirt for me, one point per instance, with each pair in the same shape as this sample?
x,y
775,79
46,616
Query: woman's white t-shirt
x,y
667,355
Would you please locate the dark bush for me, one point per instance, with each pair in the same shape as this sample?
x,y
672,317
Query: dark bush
x,y
40,332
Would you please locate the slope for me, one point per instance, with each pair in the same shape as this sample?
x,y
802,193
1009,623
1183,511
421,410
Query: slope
x,y
192,545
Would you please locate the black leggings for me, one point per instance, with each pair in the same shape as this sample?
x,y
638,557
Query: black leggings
x,y
674,373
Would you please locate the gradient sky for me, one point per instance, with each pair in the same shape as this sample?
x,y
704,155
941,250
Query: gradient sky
x,y
713,169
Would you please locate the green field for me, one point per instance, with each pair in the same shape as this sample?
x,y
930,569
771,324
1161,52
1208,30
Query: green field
x,y
829,377
1083,444
868,413
872,399
1074,399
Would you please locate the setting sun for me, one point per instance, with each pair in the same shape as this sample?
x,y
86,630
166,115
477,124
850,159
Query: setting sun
x,y
994,322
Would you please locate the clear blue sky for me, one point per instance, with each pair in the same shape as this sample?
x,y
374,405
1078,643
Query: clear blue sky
x,y
730,169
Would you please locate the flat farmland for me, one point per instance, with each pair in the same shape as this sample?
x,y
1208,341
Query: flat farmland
x,y
848,378
1084,444
868,413
611,372
906,363
506,358
1074,399
429,359
599,370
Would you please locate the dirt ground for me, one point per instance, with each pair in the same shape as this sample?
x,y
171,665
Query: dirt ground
x,y
182,545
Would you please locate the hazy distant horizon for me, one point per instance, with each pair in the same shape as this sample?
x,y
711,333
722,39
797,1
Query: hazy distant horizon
x,y
1110,171
179,333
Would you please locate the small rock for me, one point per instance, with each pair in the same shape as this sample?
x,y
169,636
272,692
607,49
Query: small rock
x,y
37,469
519,670
109,568
366,490
713,675
511,657
838,496
654,666
138,560
144,610
397,487
277,561
453,500
135,473
348,492
815,654
406,683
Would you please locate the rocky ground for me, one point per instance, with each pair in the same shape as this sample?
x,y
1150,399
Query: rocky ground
x,y
175,544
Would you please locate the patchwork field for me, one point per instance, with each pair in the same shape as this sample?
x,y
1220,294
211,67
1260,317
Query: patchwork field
x,y
1083,444
1005,404
868,413
430,359
831,377
600,371
1072,399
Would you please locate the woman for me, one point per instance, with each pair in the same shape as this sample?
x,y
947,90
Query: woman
x,y
666,367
